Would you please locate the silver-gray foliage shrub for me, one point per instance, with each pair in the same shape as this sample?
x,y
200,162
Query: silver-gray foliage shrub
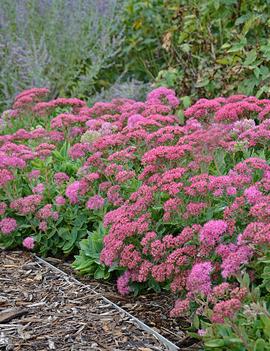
x,y
60,44
129,89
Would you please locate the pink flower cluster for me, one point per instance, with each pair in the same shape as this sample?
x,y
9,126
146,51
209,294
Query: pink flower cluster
x,y
95,202
199,280
29,243
7,225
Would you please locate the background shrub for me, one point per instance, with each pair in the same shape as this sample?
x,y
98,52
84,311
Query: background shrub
x,y
67,46
199,48
221,47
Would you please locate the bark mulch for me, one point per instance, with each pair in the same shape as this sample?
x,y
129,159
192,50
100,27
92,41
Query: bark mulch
x,y
153,308
41,309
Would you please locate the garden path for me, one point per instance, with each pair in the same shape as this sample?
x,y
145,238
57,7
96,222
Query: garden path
x,y
42,309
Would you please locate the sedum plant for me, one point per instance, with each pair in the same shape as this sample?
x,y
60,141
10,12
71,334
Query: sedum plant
x,y
157,198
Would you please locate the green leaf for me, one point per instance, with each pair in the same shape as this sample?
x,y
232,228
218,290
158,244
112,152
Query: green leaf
x,y
226,46
246,280
185,48
257,72
251,57
196,322
215,343
239,46
223,330
249,24
234,341
264,71
242,19
219,156
266,322
202,83
99,273
260,345
181,117
263,89
186,100
224,60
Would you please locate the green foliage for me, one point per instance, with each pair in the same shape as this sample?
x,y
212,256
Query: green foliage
x,y
200,47
249,330
218,48
146,22
88,262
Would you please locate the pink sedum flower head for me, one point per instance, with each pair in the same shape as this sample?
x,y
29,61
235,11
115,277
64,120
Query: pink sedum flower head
x,y
163,95
5,177
199,280
8,225
60,200
232,263
39,189
34,174
95,202
122,283
29,243
231,191
252,195
72,192
60,178
134,120
225,309
202,332
43,226
212,231
3,207
181,308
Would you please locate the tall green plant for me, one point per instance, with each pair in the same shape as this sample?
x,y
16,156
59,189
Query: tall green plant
x,y
200,47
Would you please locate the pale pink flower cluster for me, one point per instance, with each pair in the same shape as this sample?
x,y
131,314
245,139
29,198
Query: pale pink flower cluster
x,y
95,202
8,225
122,283
29,243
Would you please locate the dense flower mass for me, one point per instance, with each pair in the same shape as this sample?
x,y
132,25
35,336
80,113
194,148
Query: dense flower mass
x,y
184,207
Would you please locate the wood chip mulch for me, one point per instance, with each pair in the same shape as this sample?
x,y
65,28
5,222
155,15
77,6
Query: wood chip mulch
x,y
41,309
152,308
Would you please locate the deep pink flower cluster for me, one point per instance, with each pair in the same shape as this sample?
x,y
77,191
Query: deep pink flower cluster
x,y
47,212
122,283
29,97
212,231
60,177
225,309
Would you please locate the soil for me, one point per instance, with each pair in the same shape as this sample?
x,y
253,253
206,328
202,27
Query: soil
x,y
41,309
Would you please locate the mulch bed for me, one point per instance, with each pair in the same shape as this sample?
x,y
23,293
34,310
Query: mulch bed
x,y
41,309
153,308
